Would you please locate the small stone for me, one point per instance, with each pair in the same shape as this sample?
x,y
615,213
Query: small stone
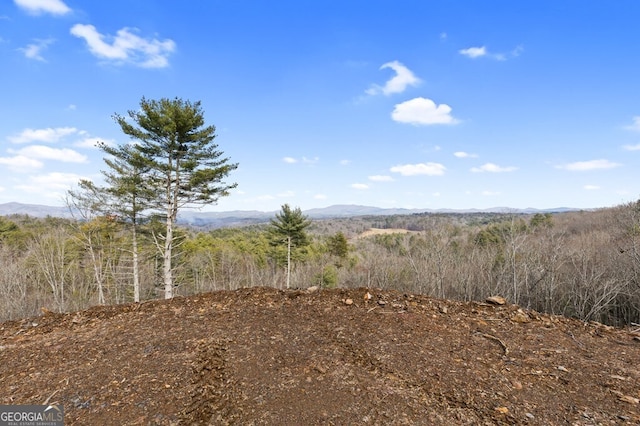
x,y
562,368
502,410
348,302
530,416
496,300
517,385
630,399
443,309
312,289
381,302
368,296
520,316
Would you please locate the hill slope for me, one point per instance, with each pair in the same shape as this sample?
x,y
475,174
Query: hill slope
x,y
266,356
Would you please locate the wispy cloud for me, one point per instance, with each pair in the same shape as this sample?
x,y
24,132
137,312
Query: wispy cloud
x,y
398,83
51,185
305,160
34,50
636,124
473,52
493,168
462,154
482,51
631,147
42,152
428,169
43,135
287,194
345,162
126,47
21,163
583,166
380,178
591,187
360,186
37,7
422,111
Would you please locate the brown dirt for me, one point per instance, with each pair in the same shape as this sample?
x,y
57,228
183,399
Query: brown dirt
x,y
269,357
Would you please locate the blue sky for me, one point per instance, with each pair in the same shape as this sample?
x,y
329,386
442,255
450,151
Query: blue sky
x,y
406,103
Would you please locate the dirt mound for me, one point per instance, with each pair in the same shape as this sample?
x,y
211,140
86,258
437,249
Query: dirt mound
x,y
358,356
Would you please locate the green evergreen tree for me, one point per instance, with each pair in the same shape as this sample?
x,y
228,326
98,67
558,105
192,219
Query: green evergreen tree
x,y
182,166
289,227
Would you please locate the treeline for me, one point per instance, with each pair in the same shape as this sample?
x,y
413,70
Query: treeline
x,y
579,264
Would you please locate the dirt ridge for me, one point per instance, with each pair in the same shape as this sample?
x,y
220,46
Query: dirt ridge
x,y
342,356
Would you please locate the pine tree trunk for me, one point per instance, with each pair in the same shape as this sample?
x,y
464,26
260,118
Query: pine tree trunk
x,y
168,243
288,261
136,269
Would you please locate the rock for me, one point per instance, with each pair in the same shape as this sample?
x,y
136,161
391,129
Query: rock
x,y
502,410
348,302
630,399
312,289
496,300
562,368
381,302
520,316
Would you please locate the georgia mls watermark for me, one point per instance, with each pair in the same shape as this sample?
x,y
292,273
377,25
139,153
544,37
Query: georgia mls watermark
x,y
31,415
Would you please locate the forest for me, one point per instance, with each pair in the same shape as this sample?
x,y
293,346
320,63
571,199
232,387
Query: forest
x,y
581,264
125,244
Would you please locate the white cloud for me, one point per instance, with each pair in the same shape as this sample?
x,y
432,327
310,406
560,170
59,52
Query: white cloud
x,y
51,185
422,111
47,153
287,194
126,47
636,124
360,186
289,160
493,168
462,154
345,162
429,169
43,135
591,187
20,163
313,160
582,166
479,52
381,178
36,7
398,83
473,52
91,142
34,50
631,147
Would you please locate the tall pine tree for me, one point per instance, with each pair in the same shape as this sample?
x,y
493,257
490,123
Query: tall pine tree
x,y
180,163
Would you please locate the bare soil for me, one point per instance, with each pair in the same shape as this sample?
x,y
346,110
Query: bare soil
x,y
263,356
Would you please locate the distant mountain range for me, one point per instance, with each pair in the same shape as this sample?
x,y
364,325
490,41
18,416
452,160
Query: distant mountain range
x,y
247,217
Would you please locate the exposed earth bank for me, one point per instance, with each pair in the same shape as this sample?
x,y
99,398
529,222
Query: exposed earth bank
x,y
328,357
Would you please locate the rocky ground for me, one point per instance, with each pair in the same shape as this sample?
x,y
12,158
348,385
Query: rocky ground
x,y
263,356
